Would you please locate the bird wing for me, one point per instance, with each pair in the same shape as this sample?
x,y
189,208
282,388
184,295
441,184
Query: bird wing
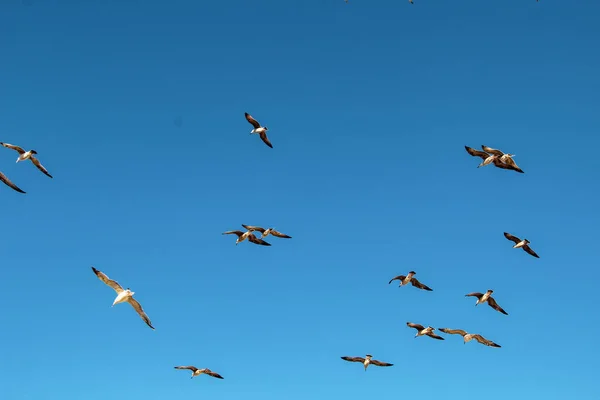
x,y
254,122
416,326
190,367
238,233
279,234
476,294
511,237
380,363
254,228
530,251
453,331
418,284
399,277
112,283
492,303
263,136
492,151
8,182
138,308
12,146
353,359
433,335
39,166
256,240
477,153
484,341
213,374
502,165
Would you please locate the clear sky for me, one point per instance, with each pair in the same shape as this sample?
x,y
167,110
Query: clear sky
x,y
137,109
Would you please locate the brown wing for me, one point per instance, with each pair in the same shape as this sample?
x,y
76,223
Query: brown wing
x,y
380,363
8,183
492,303
418,284
530,251
238,233
433,335
416,326
254,122
399,277
254,228
477,153
213,374
190,367
484,341
279,234
138,308
453,331
263,136
112,283
502,165
11,146
256,240
492,151
475,294
39,166
511,237
353,359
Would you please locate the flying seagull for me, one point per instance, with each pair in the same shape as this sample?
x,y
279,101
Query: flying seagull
x,y
422,331
521,243
468,336
261,130
404,280
266,232
9,183
502,160
487,297
196,371
123,295
24,155
366,361
246,235
487,158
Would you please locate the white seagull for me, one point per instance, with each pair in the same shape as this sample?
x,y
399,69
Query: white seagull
x,y
261,130
524,244
123,295
467,337
27,155
366,361
197,371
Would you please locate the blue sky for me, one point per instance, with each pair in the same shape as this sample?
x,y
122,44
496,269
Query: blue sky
x,y
369,106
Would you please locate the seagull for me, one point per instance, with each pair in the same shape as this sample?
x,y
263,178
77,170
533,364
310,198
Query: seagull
x,y
487,296
9,183
24,155
123,295
261,130
196,371
246,235
266,232
422,331
404,280
366,361
521,243
468,336
487,158
502,160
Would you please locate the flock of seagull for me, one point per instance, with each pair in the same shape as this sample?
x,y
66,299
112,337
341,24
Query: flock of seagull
x,y
501,160
489,156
